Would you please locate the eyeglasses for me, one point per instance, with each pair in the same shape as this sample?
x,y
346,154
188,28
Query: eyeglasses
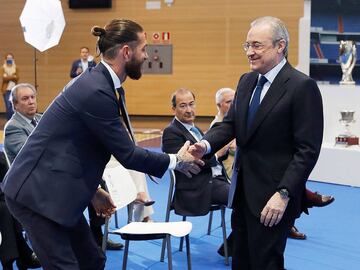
x,y
255,45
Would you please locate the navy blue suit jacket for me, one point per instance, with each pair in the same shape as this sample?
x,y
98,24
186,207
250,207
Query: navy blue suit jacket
x,y
59,168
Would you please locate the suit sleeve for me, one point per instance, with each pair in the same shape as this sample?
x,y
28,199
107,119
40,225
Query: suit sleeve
x,y
15,138
74,66
307,128
100,113
221,133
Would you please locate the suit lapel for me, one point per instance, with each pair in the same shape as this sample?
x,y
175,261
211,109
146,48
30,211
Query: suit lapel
x,y
275,92
184,131
28,127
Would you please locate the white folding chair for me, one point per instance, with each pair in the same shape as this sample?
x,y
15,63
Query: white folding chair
x,y
123,191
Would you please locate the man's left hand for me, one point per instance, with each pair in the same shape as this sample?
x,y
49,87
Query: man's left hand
x,y
103,204
274,210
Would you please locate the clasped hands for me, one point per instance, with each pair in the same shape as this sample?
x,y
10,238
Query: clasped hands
x,y
187,162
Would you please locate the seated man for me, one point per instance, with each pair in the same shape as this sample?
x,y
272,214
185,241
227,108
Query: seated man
x,y
14,246
193,197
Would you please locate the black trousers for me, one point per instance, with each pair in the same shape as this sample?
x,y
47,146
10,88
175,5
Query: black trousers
x,y
13,244
59,247
255,246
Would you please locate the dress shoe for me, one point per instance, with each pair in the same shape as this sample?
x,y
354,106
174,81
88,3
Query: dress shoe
x,y
295,234
110,245
29,263
319,200
221,251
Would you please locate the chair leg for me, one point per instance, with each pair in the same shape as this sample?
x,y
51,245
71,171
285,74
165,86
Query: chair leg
x,y
169,252
210,222
188,256
116,221
163,246
224,236
126,253
182,238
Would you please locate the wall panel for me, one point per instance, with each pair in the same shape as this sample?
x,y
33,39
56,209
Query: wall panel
x,y
206,35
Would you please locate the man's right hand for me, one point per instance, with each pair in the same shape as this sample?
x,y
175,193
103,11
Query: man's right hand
x,y
198,149
186,163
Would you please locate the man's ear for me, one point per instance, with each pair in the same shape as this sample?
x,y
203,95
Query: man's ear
x,y
126,51
282,45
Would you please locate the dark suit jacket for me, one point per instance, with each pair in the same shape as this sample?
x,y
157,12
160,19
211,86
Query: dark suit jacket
x,y
59,168
192,195
76,64
281,147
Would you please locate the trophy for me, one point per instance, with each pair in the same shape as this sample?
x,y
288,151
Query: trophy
x,y
347,138
347,59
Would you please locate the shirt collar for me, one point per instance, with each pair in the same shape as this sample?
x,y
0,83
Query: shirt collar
x,y
28,120
271,74
187,126
114,77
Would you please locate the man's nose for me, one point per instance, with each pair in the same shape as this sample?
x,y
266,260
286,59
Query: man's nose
x,y
250,51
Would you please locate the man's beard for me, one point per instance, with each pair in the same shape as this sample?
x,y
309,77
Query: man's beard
x,y
133,69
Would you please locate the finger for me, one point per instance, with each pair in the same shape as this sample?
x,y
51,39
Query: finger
x,y
263,214
279,217
199,162
111,202
194,169
188,174
186,145
273,219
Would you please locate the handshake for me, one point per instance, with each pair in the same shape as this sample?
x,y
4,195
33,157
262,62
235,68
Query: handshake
x,y
188,159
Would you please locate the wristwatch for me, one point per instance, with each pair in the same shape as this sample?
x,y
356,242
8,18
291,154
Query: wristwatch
x,y
284,193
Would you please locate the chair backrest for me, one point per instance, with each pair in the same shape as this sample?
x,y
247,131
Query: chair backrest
x,y
120,185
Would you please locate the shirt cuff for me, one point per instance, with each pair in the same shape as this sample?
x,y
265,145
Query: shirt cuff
x,y
172,163
208,147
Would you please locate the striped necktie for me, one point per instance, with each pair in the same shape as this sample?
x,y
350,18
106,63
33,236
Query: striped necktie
x,y
33,122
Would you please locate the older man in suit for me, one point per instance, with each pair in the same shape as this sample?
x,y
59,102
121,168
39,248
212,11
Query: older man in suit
x,y
24,120
277,120
57,172
210,186
17,129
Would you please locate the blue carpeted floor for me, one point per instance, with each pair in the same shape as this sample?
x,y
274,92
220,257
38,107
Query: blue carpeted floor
x,y
333,241
333,236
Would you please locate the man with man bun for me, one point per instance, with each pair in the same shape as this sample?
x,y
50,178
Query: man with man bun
x,y
57,172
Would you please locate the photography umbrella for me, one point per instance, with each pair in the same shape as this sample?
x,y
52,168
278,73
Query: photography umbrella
x,y
43,24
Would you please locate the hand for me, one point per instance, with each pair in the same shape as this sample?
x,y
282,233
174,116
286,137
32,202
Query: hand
x,y
198,149
79,70
273,210
103,204
223,151
187,164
